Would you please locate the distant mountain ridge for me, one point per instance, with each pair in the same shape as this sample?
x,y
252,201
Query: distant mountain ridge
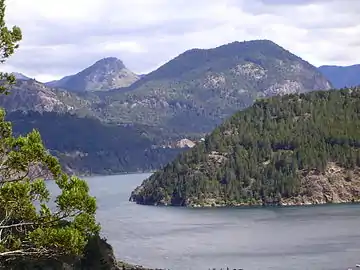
x,y
342,76
185,98
105,74
208,85
204,85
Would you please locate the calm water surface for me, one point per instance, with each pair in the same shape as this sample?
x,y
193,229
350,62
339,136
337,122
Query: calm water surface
x,y
321,237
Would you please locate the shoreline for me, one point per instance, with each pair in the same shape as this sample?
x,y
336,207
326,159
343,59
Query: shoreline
x,y
254,206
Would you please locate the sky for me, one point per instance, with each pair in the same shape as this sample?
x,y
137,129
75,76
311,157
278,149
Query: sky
x,y
62,37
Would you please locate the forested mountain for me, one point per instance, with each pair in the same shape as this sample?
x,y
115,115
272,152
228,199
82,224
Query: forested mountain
x,y
105,74
209,85
295,149
204,85
347,76
87,146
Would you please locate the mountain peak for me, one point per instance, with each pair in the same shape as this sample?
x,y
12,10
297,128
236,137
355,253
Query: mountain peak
x,y
105,74
20,76
110,61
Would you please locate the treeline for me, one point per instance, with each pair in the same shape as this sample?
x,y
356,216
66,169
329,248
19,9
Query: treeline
x,y
88,146
257,154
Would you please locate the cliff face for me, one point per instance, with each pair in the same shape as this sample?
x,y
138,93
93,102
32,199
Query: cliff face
x,y
335,185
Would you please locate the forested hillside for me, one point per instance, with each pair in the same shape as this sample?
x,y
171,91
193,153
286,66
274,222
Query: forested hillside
x,y
295,149
209,85
87,146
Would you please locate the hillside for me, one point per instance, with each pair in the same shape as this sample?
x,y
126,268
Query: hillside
x,y
105,74
87,146
204,85
340,77
31,95
209,85
295,149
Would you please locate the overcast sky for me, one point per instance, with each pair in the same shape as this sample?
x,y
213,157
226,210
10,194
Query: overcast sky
x,y
62,37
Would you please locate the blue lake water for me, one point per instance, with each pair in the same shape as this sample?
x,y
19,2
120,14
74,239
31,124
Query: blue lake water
x,y
317,237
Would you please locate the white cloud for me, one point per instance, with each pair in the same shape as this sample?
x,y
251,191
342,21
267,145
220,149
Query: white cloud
x,y
63,37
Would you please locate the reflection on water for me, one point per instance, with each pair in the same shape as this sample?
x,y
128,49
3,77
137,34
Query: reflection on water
x,y
321,237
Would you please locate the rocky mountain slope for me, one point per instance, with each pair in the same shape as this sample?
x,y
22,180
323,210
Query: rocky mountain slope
x,y
105,74
340,77
209,85
31,95
206,86
20,76
296,149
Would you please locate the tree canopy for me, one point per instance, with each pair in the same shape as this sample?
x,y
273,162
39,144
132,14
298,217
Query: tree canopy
x,y
29,226
263,154
9,42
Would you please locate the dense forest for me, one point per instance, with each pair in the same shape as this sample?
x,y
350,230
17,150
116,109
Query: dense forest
x,y
88,146
262,154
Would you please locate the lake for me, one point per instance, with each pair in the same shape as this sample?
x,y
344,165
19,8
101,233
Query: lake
x,y
313,237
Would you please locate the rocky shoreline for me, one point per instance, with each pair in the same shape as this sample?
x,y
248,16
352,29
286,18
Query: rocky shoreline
x,y
212,203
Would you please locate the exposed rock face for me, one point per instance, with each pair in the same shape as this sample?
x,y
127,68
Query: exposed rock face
x,y
105,74
336,185
185,143
30,95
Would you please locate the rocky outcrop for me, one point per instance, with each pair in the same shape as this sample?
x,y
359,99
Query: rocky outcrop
x,y
98,255
335,185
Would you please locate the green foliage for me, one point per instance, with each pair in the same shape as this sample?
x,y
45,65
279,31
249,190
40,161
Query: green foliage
x,y
87,146
9,42
257,154
28,226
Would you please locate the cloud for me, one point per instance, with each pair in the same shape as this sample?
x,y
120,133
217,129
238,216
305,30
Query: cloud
x,y
63,37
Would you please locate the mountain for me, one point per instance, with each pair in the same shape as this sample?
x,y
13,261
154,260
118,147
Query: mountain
x,y
295,149
340,77
31,95
209,85
88,146
105,74
20,76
